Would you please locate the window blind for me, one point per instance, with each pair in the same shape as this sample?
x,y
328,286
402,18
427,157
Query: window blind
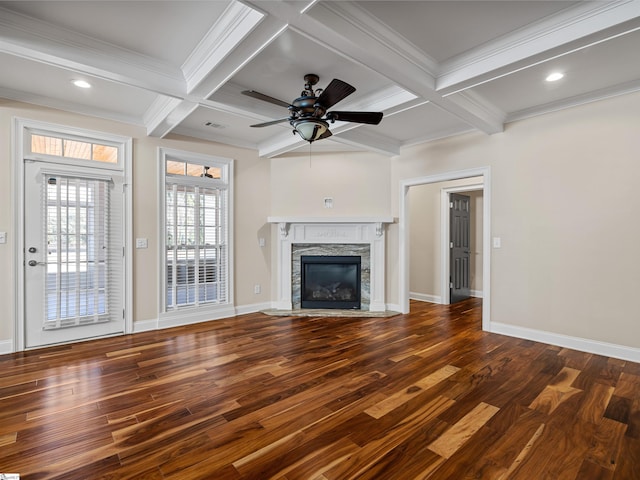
x,y
83,241
197,245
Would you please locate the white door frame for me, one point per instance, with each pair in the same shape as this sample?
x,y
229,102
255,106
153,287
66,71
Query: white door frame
x,y
403,234
445,232
18,154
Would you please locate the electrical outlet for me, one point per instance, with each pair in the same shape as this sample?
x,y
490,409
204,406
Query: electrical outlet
x,y
328,202
3,237
256,288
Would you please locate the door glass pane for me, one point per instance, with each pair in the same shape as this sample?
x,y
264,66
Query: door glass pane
x,y
76,236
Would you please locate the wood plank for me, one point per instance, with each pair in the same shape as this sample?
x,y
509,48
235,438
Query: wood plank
x,y
459,433
402,396
416,396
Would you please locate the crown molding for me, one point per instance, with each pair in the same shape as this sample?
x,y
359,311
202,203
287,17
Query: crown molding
x,y
569,30
42,42
577,100
48,102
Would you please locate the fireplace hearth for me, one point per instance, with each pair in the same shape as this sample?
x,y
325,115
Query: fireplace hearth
x,y
330,281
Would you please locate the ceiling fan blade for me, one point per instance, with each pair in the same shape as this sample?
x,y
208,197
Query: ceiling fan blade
x,y
272,122
335,91
372,118
265,98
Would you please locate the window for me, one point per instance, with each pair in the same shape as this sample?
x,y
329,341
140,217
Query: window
x,y
70,148
197,206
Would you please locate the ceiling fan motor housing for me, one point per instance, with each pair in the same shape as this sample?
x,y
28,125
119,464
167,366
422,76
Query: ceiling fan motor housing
x,y
307,107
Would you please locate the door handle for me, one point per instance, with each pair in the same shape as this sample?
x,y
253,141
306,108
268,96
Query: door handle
x,y
33,263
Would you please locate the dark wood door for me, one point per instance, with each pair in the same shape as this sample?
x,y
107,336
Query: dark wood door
x,y
460,247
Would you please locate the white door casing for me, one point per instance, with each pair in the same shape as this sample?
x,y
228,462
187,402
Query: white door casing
x,y
74,317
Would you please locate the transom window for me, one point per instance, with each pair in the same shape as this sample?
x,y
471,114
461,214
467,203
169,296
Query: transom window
x,y
72,148
197,230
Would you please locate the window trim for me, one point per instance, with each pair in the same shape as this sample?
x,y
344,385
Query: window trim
x,y
88,136
192,314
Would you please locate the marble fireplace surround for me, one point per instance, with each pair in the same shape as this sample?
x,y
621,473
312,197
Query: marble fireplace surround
x,y
319,234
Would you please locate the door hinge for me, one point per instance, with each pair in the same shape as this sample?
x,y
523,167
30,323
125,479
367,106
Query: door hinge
x,y
123,313
450,284
450,204
450,244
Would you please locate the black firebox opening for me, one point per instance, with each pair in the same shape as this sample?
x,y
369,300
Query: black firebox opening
x,y
330,281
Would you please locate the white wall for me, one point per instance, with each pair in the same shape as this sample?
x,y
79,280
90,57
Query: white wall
x,y
565,205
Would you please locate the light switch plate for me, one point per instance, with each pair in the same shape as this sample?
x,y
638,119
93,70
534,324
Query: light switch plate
x,y
141,243
3,237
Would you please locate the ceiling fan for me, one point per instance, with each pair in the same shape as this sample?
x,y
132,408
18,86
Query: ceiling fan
x,y
307,111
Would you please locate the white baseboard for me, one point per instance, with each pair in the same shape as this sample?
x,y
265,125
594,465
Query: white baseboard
x,y
394,307
188,318
6,346
425,297
576,343
253,308
145,325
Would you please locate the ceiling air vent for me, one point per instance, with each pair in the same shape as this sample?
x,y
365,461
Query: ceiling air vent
x,y
214,125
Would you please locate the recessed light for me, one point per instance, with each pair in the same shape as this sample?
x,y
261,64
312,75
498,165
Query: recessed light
x,y
82,84
554,77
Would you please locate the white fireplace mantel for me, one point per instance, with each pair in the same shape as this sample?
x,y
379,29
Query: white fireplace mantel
x,y
335,231
285,222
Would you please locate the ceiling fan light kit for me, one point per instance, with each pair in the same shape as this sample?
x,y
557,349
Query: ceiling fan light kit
x,y
310,129
308,110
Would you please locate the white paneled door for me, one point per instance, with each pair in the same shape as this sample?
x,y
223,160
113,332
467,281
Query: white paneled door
x,y
73,267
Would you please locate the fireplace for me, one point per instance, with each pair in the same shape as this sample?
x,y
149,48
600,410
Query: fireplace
x,y
320,236
330,281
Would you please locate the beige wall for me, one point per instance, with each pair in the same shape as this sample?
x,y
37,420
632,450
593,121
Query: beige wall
x,y
564,203
425,249
357,182
252,206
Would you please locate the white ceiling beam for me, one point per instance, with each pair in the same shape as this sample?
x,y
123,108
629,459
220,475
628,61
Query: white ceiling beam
x,y
279,144
230,29
215,70
377,49
35,40
378,143
570,30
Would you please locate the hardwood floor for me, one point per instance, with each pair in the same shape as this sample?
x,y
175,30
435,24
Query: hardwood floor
x,y
424,395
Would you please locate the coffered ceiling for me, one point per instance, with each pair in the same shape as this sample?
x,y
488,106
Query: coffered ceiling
x,y
435,68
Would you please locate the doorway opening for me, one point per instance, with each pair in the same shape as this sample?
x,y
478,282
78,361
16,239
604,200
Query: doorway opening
x,y
441,273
